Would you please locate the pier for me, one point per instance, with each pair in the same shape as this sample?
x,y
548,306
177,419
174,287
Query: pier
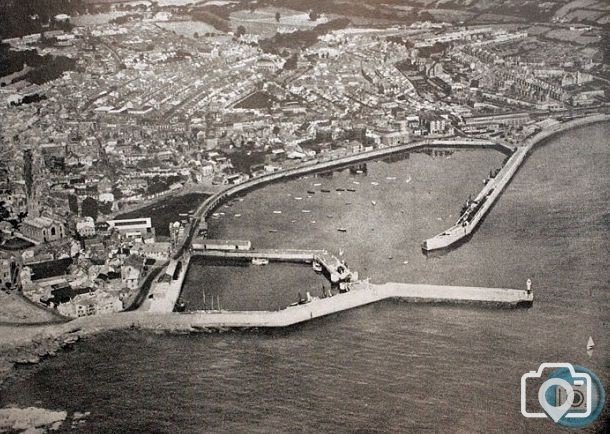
x,y
279,255
360,294
483,202
336,269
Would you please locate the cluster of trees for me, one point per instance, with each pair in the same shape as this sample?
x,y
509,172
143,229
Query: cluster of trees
x,y
215,16
301,39
23,17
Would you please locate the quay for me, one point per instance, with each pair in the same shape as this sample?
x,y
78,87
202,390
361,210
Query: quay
x,y
483,202
280,255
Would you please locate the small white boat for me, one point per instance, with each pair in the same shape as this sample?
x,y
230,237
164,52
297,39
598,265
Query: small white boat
x,y
306,211
277,212
590,343
359,171
317,184
408,180
390,178
356,183
374,202
298,198
374,183
405,262
260,261
237,215
316,266
342,229
313,222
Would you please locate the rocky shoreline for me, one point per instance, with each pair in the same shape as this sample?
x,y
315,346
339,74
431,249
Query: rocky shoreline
x,y
32,353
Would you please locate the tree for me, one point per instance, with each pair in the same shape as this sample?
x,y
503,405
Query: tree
x,y
89,208
277,17
73,204
241,30
313,15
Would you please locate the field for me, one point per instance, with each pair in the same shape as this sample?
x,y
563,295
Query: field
x,y
262,22
187,28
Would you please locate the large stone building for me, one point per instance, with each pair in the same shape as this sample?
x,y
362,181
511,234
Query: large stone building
x,y
42,229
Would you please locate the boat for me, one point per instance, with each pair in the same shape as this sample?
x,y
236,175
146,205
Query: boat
x,y
306,211
298,198
342,229
390,178
351,189
359,171
237,215
317,267
277,212
311,192
355,183
590,344
317,184
374,203
260,261
374,183
340,189
408,180
325,190
272,231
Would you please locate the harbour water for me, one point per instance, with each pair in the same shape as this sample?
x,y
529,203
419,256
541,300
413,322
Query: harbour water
x,y
393,367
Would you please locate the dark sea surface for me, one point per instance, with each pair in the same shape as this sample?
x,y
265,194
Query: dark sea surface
x,y
388,367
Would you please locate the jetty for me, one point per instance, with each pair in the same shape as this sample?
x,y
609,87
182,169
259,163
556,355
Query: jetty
x,y
476,209
360,294
279,255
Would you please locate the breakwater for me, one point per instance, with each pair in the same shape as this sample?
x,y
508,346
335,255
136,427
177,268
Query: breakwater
x,y
361,294
492,190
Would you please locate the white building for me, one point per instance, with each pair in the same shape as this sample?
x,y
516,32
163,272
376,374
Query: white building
x,y
85,227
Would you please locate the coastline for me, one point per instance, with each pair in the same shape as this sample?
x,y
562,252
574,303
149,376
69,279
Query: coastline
x,y
30,344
